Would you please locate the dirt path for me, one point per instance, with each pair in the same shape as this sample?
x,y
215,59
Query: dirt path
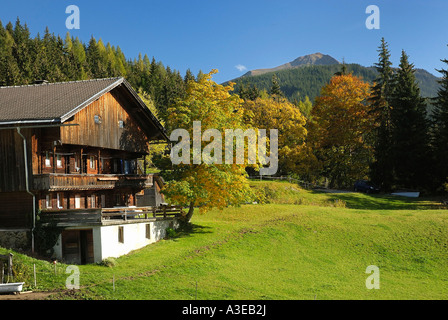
x,y
26,296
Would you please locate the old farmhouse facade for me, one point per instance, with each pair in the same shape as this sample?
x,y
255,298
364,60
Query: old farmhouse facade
x,y
72,155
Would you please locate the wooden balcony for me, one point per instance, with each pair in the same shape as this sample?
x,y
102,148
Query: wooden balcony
x,y
68,182
107,216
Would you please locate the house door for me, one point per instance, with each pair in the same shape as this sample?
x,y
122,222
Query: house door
x,y
71,247
77,246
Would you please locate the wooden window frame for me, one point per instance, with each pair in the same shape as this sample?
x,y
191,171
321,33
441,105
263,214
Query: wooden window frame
x,y
92,163
60,200
59,161
93,201
48,201
120,234
47,160
78,199
148,231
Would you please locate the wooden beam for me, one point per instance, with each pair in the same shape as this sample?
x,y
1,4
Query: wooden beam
x,y
99,156
81,164
54,159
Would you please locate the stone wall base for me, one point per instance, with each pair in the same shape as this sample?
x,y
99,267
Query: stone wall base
x,y
15,239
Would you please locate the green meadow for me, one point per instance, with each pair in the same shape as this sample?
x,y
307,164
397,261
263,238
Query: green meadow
x,y
293,244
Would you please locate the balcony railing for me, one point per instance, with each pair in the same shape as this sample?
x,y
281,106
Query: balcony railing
x,y
63,182
80,217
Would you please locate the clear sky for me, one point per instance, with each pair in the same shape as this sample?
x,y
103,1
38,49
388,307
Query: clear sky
x,y
237,36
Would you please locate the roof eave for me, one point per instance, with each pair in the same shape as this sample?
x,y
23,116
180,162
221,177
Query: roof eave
x,y
29,122
71,113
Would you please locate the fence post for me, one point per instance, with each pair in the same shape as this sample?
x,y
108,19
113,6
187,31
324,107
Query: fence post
x,y
10,266
34,272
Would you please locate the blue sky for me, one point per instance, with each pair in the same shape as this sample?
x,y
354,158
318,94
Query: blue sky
x,y
205,35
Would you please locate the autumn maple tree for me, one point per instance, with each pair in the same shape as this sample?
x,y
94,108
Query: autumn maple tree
x,y
205,185
340,126
278,113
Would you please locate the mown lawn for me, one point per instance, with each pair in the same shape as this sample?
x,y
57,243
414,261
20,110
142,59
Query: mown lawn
x,y
297,245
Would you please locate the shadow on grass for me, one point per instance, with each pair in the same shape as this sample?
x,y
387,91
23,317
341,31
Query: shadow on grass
x,y
383,202
190,229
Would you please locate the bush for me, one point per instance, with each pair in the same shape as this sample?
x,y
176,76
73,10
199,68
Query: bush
x,y
170,233
108,262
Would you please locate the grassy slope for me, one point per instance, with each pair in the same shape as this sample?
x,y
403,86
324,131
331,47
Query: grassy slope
x,y
283,250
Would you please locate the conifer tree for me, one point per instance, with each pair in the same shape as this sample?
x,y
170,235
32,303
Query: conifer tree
x,y
189,76
381,170
409,129
275,87
440,131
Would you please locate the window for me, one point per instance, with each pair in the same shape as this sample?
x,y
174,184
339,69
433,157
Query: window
x,y
93,201
48,200
121,124
77,201
148,231
59,161
92,162
47,159
97,119
103,201
60,199
121,234
77,163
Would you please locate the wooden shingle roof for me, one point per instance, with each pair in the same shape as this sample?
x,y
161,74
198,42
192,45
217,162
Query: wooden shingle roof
x,y
54,103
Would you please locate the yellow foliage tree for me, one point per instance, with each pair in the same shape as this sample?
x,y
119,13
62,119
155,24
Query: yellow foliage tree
x,y
269,113
341,123
206,185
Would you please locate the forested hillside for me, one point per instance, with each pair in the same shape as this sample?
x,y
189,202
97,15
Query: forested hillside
x,y
297,83
24,59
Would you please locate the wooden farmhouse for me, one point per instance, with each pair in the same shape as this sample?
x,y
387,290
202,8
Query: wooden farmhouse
x,y
72,156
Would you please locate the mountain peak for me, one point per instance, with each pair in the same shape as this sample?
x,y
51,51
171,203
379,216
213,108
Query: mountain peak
x,y
315,59
310,59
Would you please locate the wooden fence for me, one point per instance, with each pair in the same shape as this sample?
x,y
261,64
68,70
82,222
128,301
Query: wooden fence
x,y
304,184
96,216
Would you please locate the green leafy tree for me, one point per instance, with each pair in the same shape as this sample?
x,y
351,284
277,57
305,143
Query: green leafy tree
x,y
205,185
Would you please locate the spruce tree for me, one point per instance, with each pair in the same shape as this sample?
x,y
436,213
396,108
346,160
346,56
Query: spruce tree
x,y
189,76
440,131
409,129
381,170
275,87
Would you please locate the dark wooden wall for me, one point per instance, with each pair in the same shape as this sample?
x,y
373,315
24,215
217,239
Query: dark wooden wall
x,y
16,210
107,134
12,165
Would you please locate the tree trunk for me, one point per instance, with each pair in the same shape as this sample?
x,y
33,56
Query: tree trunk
x,y
190,213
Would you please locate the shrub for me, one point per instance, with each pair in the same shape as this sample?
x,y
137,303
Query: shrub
x,y
170,233
108,262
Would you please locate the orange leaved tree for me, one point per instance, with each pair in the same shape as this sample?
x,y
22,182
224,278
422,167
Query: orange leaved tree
x,y
340,128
